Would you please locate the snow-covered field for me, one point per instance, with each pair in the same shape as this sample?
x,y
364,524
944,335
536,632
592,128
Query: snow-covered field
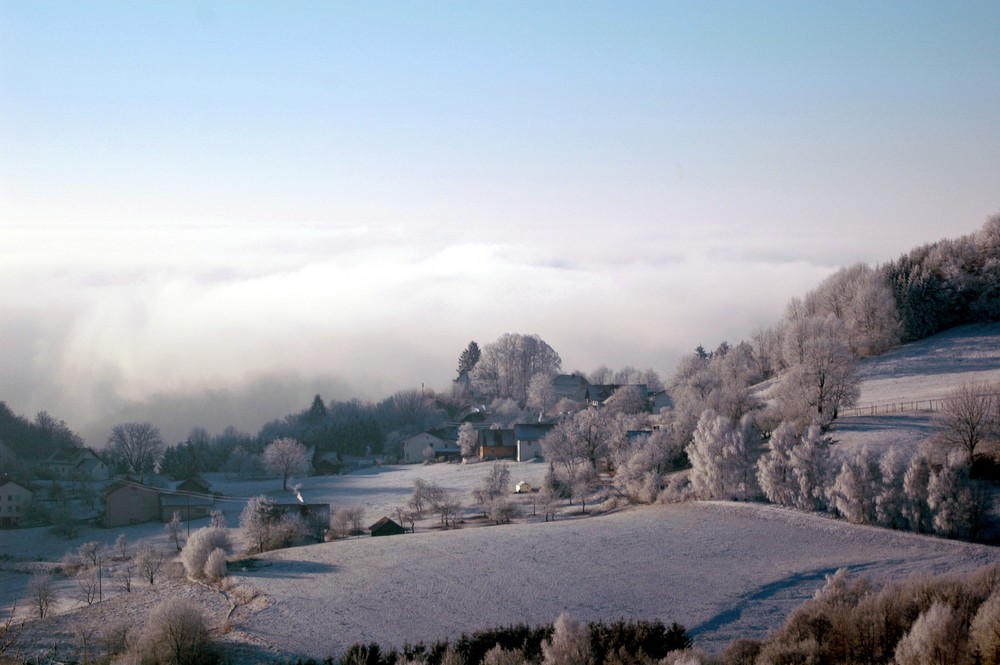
x,y
723,570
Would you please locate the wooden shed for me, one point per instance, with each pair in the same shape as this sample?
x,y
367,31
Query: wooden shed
x,y
386,527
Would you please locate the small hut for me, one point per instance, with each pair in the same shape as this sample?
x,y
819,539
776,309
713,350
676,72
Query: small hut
x,y
386,527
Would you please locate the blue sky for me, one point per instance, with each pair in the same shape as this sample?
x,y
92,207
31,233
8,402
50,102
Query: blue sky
x,y
278,199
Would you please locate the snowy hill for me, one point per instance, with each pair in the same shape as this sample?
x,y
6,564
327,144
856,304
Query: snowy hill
x,y
901,389
723,570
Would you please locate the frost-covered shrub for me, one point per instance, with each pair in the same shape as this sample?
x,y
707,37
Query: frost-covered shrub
x,y
200,545
175,634
215,565
500,656
641,466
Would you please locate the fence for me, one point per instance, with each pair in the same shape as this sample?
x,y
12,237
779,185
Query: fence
x,y
886,408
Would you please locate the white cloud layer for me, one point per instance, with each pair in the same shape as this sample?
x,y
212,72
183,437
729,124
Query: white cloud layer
x,y
109,321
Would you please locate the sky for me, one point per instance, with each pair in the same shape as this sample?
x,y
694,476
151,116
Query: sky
x,y
212,211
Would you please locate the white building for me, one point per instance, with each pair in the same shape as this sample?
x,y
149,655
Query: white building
x,y
14,499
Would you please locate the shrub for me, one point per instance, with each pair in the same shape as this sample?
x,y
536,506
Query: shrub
x,y
215,565
200,545
175,634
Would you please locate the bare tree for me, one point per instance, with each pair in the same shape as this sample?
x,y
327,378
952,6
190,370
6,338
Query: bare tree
x,y
149,559
138,445
966,416
87,581
286,457
123,574
10,631
43,593
121,546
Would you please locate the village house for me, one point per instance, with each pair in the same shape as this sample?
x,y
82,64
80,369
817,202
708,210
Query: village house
x,y
497,444
127,501
77,463
569,386
529,440
436,444
14,500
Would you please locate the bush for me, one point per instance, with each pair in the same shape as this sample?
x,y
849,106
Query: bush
x,y
215,565
175,634
200,546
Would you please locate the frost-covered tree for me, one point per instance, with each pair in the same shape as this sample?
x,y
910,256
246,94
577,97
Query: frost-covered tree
x,y
640,466
723,458
938,636
854,490
174,530
286,457
957,502
468,440
257,522
890,502
984,632
507,366
569,645
774,470
821,377
627,400
916,480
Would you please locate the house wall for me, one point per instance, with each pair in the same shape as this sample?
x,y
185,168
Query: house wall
x,y
497,452
13,502
131,505
529,450
414,446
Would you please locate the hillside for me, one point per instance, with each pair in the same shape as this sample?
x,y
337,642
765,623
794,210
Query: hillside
x,y
900,389
723,570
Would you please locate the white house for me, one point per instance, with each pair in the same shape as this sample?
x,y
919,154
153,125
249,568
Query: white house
x,y
14,499
418,447
529,440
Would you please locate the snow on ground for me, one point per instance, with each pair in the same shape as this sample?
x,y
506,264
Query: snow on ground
x,y
722,570
929,369
900,386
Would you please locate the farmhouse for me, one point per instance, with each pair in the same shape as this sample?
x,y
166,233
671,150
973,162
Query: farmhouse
x,y
386,527
127,501
440,443
497,444
14,499
529,440
77,463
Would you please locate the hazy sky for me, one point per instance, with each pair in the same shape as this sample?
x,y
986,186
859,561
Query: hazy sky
x,y
211,211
